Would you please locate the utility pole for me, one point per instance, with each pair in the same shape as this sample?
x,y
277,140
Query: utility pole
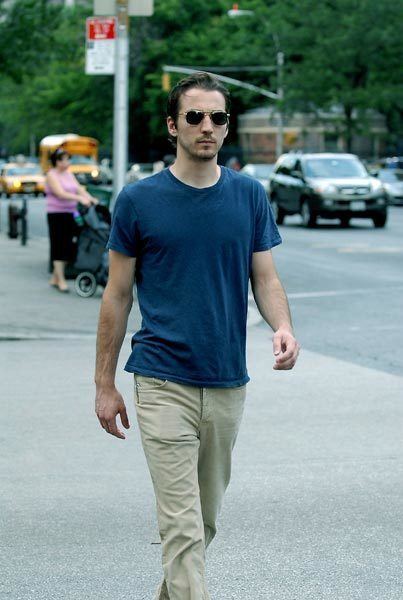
x,y
120,110
236,12
280,96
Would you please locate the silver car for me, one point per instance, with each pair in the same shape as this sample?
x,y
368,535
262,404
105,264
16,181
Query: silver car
x,y
392,181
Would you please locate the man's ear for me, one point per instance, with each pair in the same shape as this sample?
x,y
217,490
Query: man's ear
x,y
171,127
227,130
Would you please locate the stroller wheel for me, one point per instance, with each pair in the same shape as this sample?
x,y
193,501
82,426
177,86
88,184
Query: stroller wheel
x,y
85,284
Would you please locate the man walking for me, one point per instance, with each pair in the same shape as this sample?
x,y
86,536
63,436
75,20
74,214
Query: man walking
x,y
191,237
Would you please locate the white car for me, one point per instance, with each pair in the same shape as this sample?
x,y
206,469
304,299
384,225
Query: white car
x,y
261,172
139,171
392,181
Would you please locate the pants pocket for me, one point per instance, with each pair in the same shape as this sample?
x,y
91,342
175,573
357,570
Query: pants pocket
x,y
146,386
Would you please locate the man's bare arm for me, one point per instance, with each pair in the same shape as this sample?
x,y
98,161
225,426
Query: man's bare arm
x,y
272,303
115,308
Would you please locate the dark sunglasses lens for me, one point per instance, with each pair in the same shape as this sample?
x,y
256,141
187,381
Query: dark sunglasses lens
x,y
219,117
194,117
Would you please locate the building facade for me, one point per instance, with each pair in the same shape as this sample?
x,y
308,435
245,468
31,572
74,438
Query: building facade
x,y
309,132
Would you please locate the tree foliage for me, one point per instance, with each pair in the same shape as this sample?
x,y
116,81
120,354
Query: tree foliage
x,y
341,53
43,87
344,53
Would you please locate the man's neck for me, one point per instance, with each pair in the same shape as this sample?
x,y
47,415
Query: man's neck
x,y
198,174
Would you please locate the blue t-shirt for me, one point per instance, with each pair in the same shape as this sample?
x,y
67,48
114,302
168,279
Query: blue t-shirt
x,y
193,250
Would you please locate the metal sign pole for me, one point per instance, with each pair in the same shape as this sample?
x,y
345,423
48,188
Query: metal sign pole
x,y
280,95
120,111
122,10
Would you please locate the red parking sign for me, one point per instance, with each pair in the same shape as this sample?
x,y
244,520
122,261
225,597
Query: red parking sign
x,y
99,28
100,45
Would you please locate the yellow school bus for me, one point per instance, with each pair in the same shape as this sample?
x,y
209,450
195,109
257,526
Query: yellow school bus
x,y
83,151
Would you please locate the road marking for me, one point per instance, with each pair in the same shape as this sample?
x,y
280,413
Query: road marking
x,y
16,336
330,293
369,250
359,248
34,335
254,316
327,246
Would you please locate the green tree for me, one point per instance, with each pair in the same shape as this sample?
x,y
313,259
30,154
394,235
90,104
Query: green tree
x,y
43,86
204,35
341,53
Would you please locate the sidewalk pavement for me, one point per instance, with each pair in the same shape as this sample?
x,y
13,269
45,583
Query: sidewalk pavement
x,y
30,308
313,511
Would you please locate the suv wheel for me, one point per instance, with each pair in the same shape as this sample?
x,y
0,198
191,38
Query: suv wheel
x,y
380,219
278,212
307,214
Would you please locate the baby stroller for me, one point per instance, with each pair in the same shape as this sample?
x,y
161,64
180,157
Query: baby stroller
x,y
92,256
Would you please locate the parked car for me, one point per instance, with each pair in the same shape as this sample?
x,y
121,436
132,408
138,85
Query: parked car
x,y
105,171
392,181
139,171
332,186
21,179
261,172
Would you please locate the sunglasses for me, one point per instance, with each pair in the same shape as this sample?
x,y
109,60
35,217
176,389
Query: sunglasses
x,y
195,117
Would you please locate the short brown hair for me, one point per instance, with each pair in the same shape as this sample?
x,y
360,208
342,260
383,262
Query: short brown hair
x,y
58,154
201,80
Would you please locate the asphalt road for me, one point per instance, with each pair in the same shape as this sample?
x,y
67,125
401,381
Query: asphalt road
x,y
345,288
345,285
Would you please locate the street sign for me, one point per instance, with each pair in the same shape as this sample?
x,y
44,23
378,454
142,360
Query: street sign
x,y
135,8
122,9
100,46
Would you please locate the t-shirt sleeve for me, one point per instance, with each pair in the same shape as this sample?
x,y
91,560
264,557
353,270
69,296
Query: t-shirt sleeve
x,y
123,237
266,232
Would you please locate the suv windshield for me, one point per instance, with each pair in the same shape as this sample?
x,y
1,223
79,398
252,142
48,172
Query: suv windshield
x,y
334,168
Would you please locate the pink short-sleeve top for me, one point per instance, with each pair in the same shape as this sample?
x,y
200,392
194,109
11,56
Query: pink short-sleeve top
x,y
69,184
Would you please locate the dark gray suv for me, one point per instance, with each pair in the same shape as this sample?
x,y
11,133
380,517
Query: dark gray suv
x,y
333,186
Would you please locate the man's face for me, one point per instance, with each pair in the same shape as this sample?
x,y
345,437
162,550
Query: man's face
x,y
203,141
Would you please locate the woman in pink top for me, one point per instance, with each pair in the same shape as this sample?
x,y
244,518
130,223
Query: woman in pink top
x,y
63,192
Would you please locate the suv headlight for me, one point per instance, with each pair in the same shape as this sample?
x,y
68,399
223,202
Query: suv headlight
x,y
327,189
376,185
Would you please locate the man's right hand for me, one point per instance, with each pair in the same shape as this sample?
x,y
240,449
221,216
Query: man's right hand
x,y
108,404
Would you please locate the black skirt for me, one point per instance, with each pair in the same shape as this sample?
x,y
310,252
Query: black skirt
x,y
62,234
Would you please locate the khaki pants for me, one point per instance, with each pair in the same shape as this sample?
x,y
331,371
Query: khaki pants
x,y
188,434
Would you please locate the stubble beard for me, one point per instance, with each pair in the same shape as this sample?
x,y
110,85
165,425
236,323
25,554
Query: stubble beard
x,y
199,154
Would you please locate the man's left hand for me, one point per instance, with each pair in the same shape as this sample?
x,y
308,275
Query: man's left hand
x,y
286,349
